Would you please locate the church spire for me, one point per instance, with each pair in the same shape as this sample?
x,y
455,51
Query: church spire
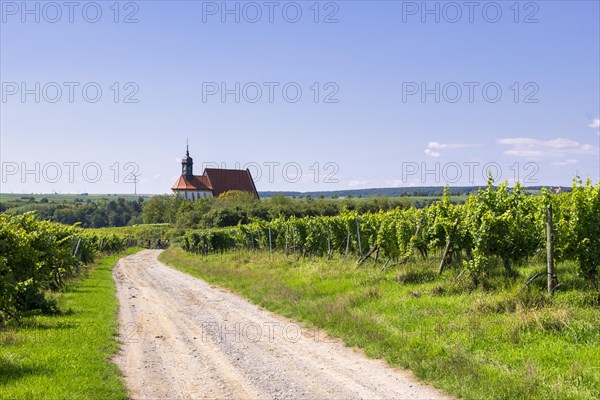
x,y
187,164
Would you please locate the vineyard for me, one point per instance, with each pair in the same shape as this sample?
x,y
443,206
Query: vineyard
x,y
369,278
496,225
36,256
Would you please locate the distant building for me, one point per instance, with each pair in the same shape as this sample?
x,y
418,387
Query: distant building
x,y
213,181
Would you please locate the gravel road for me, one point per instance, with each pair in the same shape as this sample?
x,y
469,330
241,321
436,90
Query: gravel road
x,y
185,339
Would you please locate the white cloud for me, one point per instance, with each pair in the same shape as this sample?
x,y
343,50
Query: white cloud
x,y
562,144
518,141
178,160
431,153
554,148
565,162
394,182
436,145
588,147
431,146
525,153
355,183
595,123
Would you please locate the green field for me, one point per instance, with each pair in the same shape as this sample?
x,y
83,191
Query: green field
x,y
67,356
504,341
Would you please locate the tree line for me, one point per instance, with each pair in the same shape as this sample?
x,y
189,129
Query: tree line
x,y
234,207
88,214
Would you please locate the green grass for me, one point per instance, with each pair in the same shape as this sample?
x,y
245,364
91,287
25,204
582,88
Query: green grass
x,y
498,342
67,356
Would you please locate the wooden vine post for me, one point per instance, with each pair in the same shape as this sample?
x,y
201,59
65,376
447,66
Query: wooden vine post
x,y
414,238
328,243
270,243
448,245
549,249
77,248
348,243
287,231
358,233
310,233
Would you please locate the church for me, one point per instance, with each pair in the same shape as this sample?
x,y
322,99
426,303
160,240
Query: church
x,y
213,181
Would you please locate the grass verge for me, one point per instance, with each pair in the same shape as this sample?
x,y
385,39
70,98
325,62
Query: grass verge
x,y
499,342
67,356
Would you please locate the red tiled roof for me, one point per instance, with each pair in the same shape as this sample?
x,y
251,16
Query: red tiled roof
x,y
198,182
218,181
223,180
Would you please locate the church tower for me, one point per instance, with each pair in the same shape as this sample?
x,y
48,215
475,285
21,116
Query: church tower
x,y
212,183
187,165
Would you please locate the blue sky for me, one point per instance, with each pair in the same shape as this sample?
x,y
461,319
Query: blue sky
x,y
400,99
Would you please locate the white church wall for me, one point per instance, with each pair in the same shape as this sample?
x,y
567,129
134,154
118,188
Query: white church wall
x,y
193,195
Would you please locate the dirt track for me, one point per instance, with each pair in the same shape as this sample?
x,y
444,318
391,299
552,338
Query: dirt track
x,y
183,338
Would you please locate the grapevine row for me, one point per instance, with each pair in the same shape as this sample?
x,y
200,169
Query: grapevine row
x,y
498,222
39,255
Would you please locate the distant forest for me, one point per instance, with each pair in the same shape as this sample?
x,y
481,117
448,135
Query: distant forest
x,y
417,191
88,213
